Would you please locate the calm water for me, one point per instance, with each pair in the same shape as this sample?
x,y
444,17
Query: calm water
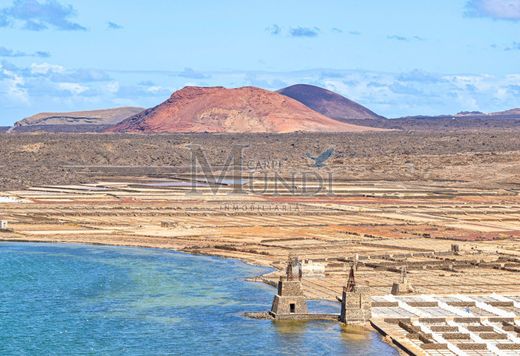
x,y
74,299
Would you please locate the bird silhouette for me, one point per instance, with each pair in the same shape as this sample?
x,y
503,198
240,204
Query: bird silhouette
x,y
319,161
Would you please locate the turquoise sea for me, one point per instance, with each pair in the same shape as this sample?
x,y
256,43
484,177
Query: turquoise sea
x,y
58,299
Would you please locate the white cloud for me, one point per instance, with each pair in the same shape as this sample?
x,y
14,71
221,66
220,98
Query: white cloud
x,y
111,88
73,88
468,102
49,86
36,15
13,85
156,89
46,68
479,82
501,94
513,79
16,91
497,9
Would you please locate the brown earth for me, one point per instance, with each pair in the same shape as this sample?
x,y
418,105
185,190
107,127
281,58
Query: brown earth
x,y
217,109
329,103
486,159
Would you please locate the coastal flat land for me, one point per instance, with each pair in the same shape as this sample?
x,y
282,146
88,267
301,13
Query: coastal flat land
x,y
445,207
387,200
383,225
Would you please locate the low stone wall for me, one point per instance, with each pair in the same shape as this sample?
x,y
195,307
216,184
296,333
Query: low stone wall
x,y
258,315
456,336
384,304
508,346
434,346
445,328
304,317
472,346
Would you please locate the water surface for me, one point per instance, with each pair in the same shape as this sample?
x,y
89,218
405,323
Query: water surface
x,y
75,299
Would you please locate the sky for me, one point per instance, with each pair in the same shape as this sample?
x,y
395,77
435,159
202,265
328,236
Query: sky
x,y
399,57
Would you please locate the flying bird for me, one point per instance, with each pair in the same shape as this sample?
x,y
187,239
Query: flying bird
x,y
320,160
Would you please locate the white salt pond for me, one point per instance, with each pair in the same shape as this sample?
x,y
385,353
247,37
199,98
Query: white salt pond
x,y
4,199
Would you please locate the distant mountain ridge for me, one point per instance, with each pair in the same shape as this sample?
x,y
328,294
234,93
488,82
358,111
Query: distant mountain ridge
x,y
299,107
99,117
465,120
329,103
506,114
218,109
515,111
90,120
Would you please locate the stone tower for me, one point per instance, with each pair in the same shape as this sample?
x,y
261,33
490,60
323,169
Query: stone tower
x,y
403,286
289,301
356,304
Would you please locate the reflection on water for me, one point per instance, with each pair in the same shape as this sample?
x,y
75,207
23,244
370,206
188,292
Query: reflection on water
x,y
291,327
355,333
73,299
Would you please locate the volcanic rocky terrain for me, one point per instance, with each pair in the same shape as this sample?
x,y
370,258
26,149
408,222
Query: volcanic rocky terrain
x,y
296,108
217,109
330,104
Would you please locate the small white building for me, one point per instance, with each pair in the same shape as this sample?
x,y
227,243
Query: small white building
x,y
3,224
313,269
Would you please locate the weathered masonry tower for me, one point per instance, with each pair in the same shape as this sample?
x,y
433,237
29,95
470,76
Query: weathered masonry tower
x,y
289,301
356,304
404,285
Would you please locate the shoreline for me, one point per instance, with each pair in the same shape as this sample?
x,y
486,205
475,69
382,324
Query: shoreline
x,y
444,234
150,246
247,279
154,306
255,279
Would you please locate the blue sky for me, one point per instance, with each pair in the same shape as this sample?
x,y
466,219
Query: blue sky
x,y
400,57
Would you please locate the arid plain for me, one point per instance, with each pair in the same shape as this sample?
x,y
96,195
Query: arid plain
x,y
391,192
387,200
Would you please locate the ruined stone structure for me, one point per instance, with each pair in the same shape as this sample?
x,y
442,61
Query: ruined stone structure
x,y
312,269
455,249
289,301
403,286
356,303
351,282
169,224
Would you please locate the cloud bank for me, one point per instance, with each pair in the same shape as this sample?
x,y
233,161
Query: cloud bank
x,y
495,9
36,15
7,52
44,86
114,26
297,32
304,31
